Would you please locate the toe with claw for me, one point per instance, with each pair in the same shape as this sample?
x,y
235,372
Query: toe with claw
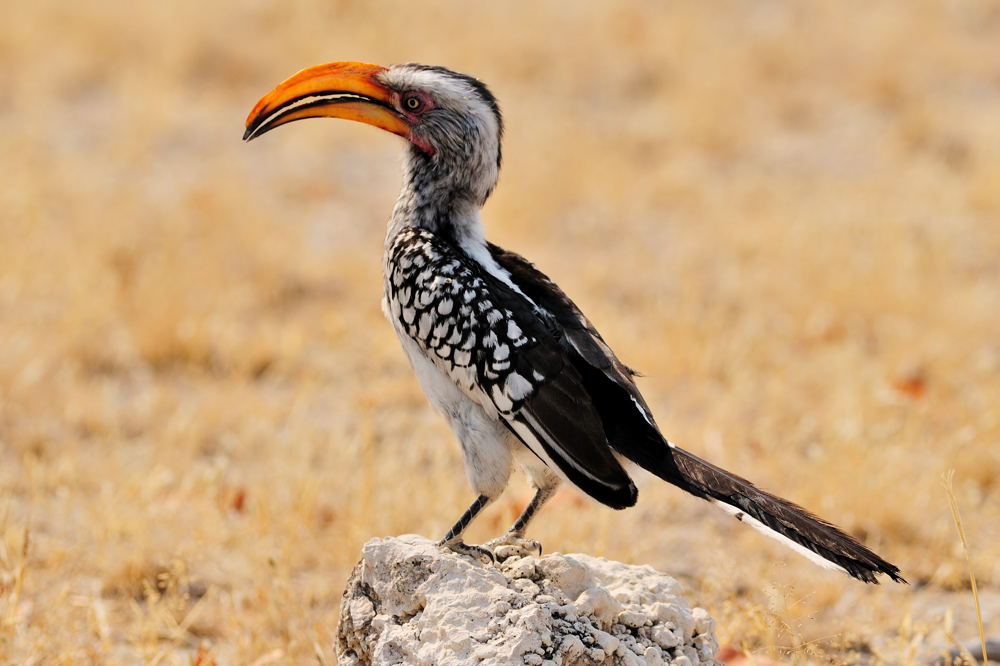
x,y
513,544
483,554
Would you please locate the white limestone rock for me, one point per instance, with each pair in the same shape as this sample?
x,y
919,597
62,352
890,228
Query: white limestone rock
x,y
409,602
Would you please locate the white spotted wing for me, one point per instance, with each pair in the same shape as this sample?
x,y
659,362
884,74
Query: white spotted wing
x,y
504,352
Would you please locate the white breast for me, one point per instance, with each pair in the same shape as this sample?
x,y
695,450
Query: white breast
x,y
487,445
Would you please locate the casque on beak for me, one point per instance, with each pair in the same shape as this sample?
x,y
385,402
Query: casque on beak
x,y
348,90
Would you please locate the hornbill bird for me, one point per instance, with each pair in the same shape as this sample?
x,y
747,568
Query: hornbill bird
x,y
519,373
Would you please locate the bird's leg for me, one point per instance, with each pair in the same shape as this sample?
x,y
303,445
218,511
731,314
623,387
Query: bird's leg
x,y
515,535
453,539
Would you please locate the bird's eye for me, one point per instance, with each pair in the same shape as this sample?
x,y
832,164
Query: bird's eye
x,y
413,103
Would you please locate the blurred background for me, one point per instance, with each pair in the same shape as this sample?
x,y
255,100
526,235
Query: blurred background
x,y
786,214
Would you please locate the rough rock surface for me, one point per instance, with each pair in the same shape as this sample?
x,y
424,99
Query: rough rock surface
x,y
408,602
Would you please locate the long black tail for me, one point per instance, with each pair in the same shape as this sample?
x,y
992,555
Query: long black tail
x,y
632,433
773,516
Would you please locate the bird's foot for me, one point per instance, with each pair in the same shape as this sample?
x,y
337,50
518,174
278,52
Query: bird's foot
x,y
513,545
484,555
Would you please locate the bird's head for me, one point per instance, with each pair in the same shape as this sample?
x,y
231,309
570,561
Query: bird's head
x,y
451,120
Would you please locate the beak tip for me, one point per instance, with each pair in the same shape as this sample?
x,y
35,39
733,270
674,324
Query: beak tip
x,y
248,134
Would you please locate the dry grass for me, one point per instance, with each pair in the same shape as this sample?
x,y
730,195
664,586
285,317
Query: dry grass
x,y
787,214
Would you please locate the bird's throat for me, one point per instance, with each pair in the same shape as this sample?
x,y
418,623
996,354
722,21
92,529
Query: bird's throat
x,y
439,198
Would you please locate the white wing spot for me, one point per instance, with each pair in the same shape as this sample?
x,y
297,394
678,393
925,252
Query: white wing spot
x,y
425,325
513,330
441,329
517,386
408,315
463,357
445,306
502,402
501,352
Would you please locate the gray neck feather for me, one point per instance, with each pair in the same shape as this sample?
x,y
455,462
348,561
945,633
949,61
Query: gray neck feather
x,y
444,192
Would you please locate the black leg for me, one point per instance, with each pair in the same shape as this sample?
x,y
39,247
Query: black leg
x,y
515,535
541,497
453,539
455,533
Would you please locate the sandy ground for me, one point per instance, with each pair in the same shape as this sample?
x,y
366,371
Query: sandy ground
x,y
786,214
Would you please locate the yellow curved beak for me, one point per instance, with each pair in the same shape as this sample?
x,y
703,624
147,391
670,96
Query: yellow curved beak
x,y
348,90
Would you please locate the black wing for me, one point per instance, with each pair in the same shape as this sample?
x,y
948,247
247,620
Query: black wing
x,y
494,344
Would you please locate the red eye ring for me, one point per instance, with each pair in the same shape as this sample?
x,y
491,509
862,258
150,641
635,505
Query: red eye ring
x,y
414,103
